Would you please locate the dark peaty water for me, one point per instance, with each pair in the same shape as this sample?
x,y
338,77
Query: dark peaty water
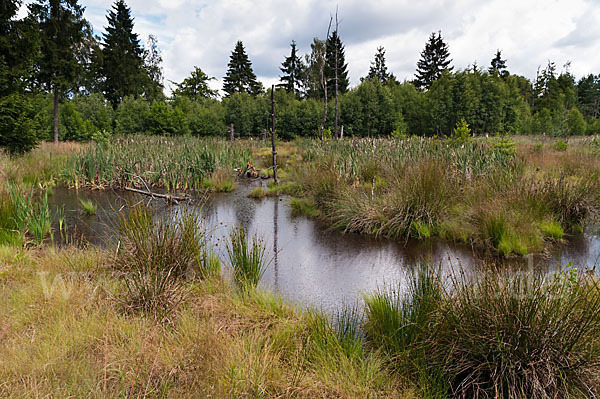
x,y
310,265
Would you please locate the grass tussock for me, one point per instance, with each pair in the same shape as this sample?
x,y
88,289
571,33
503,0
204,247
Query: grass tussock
x,y
89,207
157,253
498,335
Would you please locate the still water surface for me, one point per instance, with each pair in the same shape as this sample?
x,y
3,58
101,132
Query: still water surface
x,y
312,266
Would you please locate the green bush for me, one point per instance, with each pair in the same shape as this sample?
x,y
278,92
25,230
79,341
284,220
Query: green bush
x,y
165,120
131,115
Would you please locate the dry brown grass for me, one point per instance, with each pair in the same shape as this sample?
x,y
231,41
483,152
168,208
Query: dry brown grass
x,y
77,343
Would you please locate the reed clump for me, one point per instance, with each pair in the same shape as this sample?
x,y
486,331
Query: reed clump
x,y
173,163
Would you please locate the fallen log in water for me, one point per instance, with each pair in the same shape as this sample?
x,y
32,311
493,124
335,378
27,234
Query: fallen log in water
x,y
168,197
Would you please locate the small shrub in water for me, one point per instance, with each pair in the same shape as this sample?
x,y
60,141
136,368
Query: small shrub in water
x,y
89,207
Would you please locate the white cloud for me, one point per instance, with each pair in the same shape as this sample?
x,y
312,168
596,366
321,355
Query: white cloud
x,y
203,32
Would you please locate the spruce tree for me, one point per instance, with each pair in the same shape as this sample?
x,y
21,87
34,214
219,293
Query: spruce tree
x,y
293,72
435,58
62,30
378,69
240,78
122,56
498,65
332,44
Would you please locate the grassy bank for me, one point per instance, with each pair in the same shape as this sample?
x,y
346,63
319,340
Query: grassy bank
x,y
68,330
510,197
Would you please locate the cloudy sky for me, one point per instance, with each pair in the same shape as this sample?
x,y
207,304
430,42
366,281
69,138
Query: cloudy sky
x,y
203,32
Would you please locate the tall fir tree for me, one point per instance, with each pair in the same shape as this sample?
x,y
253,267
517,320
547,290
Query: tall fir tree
x,y
332,45
62,31
293,72
378,69
122,56
435,58
240,77
498,65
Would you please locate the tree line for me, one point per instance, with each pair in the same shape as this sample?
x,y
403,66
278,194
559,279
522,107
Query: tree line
x,y
58,81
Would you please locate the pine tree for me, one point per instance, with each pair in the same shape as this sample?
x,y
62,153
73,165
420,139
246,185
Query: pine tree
x,y
195,87
435,58
332,44
293,69
498,65
122,62
378,69
240,78
62,30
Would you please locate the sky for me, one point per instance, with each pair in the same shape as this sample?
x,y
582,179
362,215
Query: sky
x,y
204,32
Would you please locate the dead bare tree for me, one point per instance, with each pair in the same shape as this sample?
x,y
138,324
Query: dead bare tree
x,y
324,80
336,73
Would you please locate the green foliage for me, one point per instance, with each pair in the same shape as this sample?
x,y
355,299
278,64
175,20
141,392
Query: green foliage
x,y
334,45
195,87
96,109
560,145
293,72
18,126
131,115
378,70
165,120
434,60
461,132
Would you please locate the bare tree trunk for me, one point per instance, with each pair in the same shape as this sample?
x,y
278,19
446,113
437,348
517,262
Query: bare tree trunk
x,y
274,151
336,75
231,134
55,115
324,80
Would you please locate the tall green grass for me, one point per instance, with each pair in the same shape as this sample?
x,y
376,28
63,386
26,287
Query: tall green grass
x,y
24,216
172,163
